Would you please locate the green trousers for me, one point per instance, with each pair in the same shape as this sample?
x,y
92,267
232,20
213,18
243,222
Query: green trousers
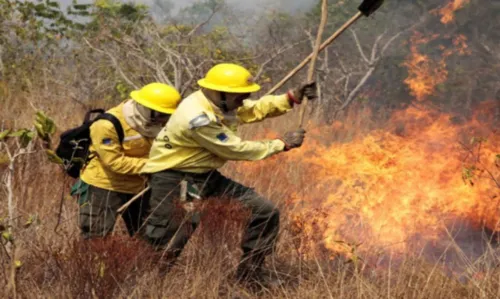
x,y
168,225
98,212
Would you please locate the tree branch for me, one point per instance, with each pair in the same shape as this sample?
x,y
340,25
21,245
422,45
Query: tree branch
x,y
115,63
278,53
354,92
197,27
392,39
373,56
360,49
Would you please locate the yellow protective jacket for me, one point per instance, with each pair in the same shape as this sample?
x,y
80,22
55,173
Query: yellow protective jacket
x,y
198,139
116,166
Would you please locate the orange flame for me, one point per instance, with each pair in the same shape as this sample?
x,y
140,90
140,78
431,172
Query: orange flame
x,y
425,73
395,187
389,188
447,12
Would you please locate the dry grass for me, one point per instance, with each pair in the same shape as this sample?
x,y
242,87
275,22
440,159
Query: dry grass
x,y
60,265
120,267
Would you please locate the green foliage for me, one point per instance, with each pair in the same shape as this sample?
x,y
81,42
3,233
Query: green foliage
x,y
4,134
18,264
45,127
33,219
25,136
8,237
115,16
44,19
124,90
31,32
53,157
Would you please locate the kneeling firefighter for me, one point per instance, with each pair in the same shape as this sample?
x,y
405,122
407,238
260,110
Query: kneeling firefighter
x,y
117,154
201,137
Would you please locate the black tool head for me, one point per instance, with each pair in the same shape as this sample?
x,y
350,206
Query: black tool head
x,y
370,6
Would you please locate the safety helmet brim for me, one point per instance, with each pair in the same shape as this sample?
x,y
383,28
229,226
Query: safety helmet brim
x,y
136,96
246,89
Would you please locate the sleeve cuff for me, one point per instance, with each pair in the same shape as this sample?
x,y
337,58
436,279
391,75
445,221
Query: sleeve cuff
x,y
284,101
291,99
281,145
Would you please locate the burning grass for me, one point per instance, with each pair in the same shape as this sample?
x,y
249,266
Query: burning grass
x,y
393,189
121,267
447,12
402,208
406,208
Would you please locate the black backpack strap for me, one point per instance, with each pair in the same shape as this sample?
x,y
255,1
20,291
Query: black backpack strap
x,y
116,123
90,112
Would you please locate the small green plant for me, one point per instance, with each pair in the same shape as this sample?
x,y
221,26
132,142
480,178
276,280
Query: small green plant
x,y
13,145
45,127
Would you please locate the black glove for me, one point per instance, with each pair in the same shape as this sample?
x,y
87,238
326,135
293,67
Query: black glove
x,y
293,139
308,90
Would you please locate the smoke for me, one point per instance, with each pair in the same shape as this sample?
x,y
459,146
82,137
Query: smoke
x,y
254,6
241,14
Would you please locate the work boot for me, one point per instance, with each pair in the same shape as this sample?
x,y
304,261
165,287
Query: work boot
x,y
255,275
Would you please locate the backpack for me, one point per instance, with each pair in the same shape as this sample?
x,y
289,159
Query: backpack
x,y
74,143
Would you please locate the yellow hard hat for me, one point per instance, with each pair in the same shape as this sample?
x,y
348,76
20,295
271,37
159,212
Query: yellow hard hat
x,y
227,77
157,96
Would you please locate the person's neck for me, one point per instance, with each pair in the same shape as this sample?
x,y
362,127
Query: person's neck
x,y
212,96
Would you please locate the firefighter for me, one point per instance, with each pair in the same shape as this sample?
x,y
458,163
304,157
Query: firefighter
x,y
112,177
201,137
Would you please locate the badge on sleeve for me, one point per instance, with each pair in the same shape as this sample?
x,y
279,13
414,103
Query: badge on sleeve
x,y
107,141
199,121
222,137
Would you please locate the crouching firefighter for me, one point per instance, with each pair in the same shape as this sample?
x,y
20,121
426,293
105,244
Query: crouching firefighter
x,y
201,137
120,143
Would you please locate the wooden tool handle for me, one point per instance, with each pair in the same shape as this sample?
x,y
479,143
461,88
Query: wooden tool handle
x,y
330,40
314,57
128,203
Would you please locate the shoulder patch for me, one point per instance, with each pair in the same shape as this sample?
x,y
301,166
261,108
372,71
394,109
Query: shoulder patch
x,y
199,121
222,137
107,141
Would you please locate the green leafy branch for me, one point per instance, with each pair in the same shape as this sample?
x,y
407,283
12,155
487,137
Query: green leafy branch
x,y
45,127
